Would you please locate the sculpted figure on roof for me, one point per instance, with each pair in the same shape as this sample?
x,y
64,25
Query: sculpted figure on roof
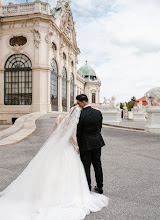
x,y
66,19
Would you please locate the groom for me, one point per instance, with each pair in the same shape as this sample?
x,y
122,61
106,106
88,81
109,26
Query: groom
x,y
90,140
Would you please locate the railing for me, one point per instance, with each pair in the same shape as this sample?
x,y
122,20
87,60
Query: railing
x,y
26,8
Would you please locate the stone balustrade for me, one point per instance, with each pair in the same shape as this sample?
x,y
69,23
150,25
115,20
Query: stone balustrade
x,y
26,8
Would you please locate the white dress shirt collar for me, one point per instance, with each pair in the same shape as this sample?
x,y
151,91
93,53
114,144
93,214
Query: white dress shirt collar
x,y
86,106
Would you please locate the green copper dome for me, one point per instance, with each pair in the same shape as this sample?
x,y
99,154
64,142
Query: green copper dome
x,y
87,71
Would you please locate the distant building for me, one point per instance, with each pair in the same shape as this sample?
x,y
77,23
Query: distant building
x,y
144,102
38,60
89,83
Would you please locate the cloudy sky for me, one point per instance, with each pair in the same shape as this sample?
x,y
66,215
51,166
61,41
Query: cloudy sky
x,y
121,41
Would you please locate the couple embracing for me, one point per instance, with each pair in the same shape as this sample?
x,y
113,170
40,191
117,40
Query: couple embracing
x,y
56,184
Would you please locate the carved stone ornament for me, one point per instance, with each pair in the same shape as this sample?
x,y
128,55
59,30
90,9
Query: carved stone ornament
x,y
59,4
70,57
55,54
66,20
48,37
17,49
61,50
36,36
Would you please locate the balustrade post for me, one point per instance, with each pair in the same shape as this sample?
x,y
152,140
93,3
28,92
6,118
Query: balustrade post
x,y
37,6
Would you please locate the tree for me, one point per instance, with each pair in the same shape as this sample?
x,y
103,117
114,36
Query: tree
x,y
130,105
133,98
121,105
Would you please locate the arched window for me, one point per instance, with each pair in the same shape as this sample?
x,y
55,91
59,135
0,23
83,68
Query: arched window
x,y
18,80
64,56
64,89
54,46
93,97
54,86
72,63
72,90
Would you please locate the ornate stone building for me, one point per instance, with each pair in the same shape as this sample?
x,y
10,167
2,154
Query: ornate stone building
x,y
38,60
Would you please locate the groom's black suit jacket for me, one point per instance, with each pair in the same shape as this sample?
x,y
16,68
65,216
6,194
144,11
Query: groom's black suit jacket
x,y
89,129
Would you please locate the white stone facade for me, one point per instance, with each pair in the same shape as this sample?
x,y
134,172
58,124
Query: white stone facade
x,y
42,28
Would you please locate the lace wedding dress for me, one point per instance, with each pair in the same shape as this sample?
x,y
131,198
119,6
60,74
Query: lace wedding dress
x,y
53,186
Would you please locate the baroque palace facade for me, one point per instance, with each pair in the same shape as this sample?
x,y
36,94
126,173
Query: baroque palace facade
x,y
38,60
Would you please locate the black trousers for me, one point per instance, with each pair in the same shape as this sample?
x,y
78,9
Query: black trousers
x,y
93,157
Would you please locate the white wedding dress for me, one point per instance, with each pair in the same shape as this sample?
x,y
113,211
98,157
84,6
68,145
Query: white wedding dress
x,y
53,186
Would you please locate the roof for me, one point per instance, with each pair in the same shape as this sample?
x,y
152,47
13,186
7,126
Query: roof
x,y
56,12
144,102
87,70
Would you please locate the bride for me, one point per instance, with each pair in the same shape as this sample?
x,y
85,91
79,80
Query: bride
x,y
53,186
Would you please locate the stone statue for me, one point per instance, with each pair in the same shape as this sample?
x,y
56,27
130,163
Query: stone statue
x,y
67,25
111,111
139,105
154,93
118,106
109,104
36,36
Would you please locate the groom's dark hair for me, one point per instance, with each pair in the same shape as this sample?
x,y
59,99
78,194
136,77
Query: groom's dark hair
x,y
82,97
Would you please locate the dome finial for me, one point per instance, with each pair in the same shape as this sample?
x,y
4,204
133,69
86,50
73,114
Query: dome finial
x,y
86,62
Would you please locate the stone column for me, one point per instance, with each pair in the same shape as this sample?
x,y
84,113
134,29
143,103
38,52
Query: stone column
x,y
89,95
1,87
49,91
60,92
75,92
68,94
36,101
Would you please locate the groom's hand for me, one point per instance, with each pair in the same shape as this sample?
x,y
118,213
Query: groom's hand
x,y
78,151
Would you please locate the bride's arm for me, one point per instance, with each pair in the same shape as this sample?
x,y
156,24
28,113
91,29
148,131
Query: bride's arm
x,y
75,145
55,126
56,123
74,141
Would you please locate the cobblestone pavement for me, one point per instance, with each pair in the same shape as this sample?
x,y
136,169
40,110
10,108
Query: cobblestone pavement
x,y
131,166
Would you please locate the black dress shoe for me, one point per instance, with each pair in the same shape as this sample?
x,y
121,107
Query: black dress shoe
x,y
99,190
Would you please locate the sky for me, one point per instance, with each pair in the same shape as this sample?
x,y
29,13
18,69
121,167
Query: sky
x,y
121,40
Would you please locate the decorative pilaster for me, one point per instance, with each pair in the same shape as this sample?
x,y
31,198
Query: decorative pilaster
x,y
60,93
49,91
75,92
68,95
1,87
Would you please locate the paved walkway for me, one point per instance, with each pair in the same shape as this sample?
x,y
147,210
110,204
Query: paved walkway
x,y
133,124
131,165
3,127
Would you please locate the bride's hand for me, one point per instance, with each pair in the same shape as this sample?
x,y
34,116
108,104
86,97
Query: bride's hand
x,y
78,151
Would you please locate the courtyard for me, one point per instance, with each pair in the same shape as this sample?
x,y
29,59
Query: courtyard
x,y
131,166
